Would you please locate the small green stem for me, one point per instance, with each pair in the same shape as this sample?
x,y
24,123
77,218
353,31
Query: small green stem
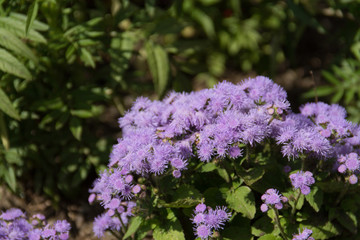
x,y
342,194
115,235
277,222
123,227
295,204
3,133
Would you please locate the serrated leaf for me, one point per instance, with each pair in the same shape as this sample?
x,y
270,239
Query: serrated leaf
x,y
87,58
315,198
31,15
9,64
17,28
7,107
133,226
76,128
13,43
242,200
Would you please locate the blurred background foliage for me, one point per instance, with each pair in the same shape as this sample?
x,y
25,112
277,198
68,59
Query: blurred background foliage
x,y
69,69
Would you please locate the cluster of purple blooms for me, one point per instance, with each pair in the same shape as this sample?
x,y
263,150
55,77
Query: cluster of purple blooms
x,y
302,180
161,137
15,225
272,198
349,163
304,235
207,219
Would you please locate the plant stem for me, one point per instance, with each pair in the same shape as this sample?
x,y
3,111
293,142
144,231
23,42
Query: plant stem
x,y
115,235
3,133
123,227
295,204
342,194
277,222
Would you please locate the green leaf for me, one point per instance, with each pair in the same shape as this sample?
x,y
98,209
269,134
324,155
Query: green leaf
x,y
315,198
205,21
242,200
87,58
12,156
300,13
185,197
133,226
348,220
159,66
236,233
9,64
13,43
7,107
262,226
16,27
31,15
330,78
321,230
76,128
208,167
37,25
224,174
170,230
320,91
10,178
269,237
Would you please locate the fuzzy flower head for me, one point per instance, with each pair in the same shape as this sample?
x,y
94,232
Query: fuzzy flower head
x,y
304,235
272,197
303,181
207,219
349,163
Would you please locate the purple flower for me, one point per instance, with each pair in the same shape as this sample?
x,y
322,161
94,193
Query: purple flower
x,y
272,197
203,231
206,219
304,235
11,214
62,226
302,180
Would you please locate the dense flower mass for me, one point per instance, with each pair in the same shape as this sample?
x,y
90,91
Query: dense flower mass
x,y
272,197
304,235
15,225
164,137
302,180
349,163
206,220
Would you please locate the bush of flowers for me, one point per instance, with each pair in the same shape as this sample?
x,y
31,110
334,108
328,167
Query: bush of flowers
x,y
15,225
231,162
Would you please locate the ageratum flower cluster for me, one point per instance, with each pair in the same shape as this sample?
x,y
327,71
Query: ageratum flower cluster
x,y
206,220
302,180
15,225
162,137
272,198
304,235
